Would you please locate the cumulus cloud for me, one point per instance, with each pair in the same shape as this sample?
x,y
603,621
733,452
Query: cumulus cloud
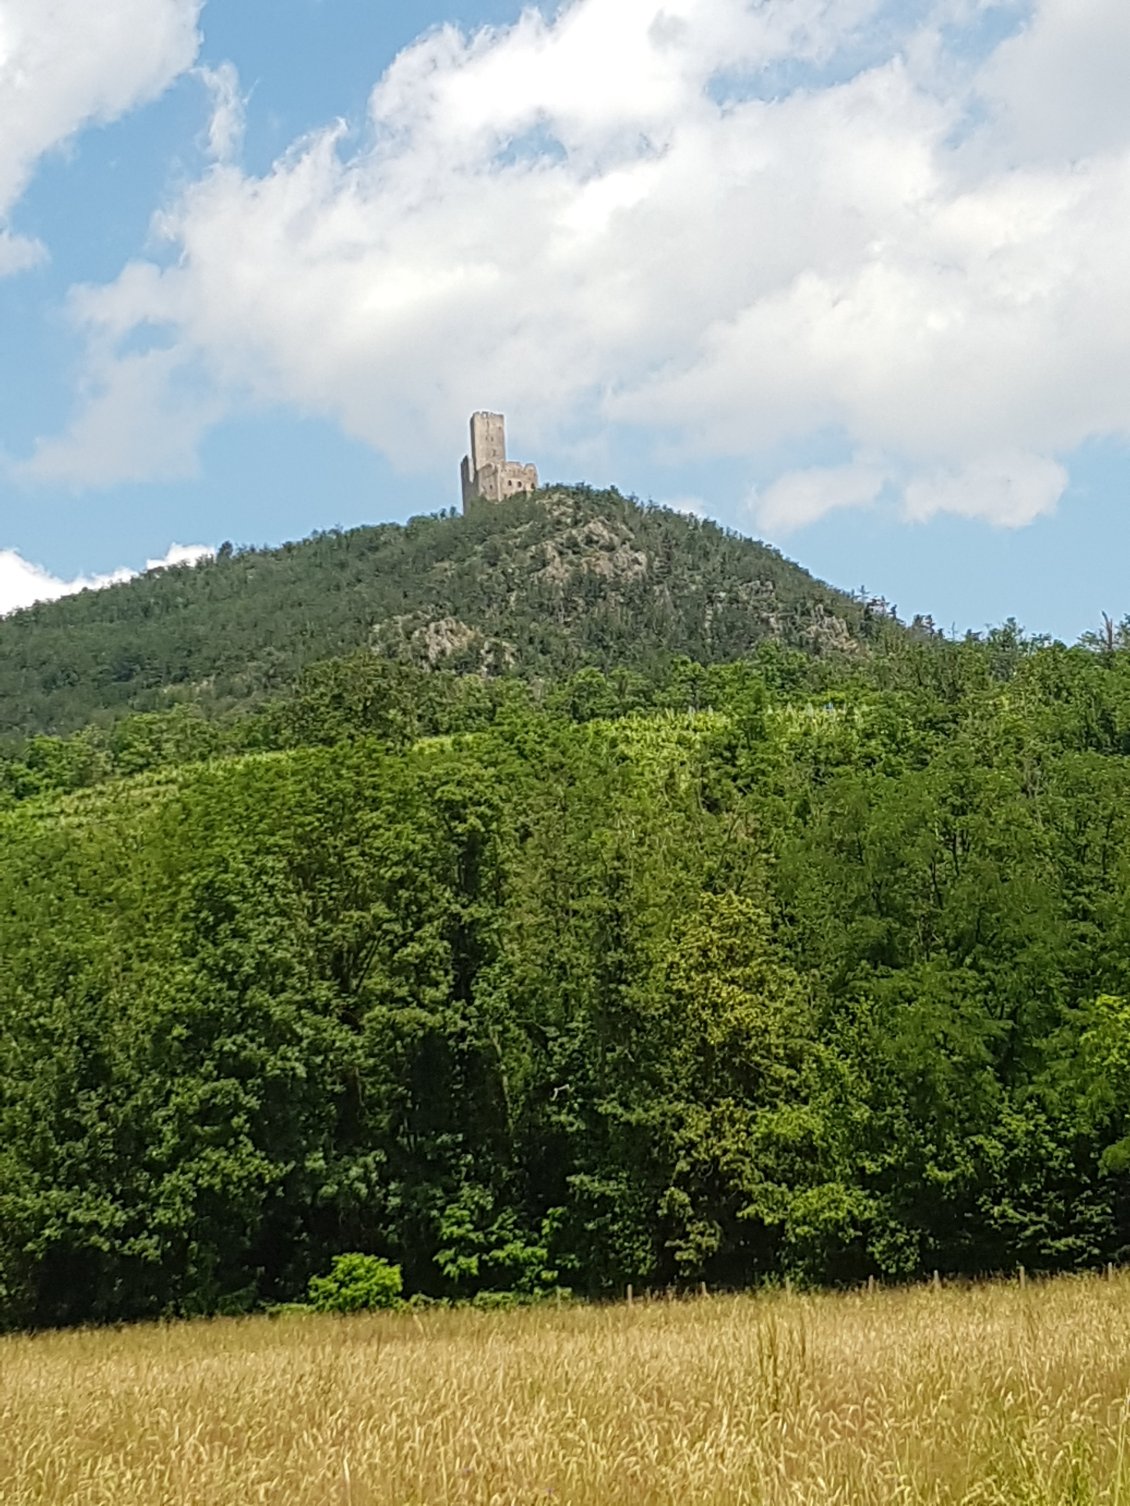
x,y
71,63
1059,85
1011,489
23,583
800,497
741,224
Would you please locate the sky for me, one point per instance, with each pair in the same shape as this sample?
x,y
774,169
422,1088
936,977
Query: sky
x,y
852,276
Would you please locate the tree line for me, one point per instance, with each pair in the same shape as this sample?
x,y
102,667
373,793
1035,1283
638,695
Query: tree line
x,y
785,966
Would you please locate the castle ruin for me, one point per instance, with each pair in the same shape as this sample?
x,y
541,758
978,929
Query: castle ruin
x,y
486,472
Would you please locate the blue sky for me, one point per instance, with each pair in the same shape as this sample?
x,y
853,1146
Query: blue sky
x,y
848,275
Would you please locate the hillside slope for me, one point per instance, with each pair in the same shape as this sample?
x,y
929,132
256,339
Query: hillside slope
x,y
535,586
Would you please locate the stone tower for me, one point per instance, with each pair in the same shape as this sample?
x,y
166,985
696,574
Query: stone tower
x,y
486,473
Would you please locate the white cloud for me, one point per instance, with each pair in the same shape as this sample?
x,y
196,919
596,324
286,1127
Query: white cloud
x,y
1060,84
70,63
225,128
19,252
1010,490
141,419
800,497
694,507
23,583
595,220
181,554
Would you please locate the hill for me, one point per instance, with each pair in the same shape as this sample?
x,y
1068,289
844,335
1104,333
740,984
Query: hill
x,y
537,586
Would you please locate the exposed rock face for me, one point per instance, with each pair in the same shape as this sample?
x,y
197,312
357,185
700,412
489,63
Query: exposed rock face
x,y
595,546
442,638
443,643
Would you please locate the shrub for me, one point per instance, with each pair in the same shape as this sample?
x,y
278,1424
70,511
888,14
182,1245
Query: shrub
x,y
421,1302
497,1301
356,1283
288,1310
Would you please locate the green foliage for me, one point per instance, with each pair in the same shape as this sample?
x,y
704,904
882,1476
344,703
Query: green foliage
x,y
356,1283
653,971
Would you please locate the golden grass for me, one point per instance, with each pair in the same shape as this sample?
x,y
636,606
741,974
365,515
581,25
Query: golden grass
x,y
982,1395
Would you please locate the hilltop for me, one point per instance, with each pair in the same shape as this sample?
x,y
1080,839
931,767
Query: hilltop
x,y
536,586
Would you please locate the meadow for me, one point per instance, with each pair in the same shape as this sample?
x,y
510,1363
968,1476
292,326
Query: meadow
x,y
977,1394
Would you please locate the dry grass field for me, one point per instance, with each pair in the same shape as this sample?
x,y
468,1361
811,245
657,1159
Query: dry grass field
x,y
982,1395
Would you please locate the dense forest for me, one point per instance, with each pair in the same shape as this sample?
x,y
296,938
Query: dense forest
x,y
677,969
536,586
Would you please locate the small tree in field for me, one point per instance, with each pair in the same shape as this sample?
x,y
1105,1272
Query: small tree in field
x,y
356,1283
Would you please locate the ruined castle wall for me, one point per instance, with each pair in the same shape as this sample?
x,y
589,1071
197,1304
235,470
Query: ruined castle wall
x,y
486,472
495,482
519,478
467,477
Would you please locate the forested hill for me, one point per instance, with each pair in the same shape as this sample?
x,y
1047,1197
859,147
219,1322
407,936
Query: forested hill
x,y
538,586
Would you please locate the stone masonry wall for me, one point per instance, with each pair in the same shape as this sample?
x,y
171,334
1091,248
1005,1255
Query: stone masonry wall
x,y
486,472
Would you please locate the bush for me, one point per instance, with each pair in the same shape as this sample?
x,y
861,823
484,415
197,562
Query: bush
x,y
421,1302
507,1301
497,1301
288,1310
356,1283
